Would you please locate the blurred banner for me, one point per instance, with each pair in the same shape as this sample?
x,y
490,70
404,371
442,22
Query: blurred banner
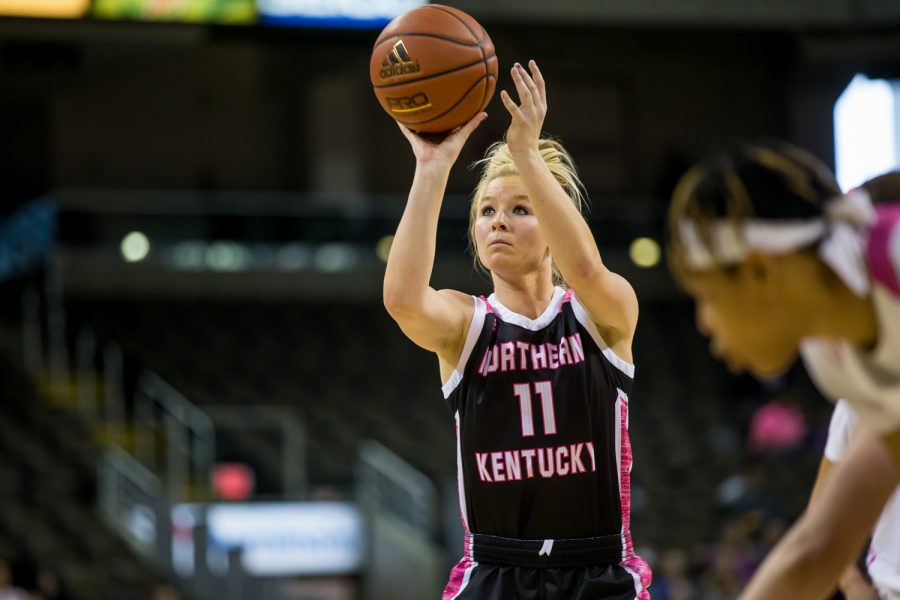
x,y
334,13
54,9
190,11
276,539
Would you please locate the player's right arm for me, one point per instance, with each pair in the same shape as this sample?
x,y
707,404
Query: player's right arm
x,y
435,320
807,562
852,583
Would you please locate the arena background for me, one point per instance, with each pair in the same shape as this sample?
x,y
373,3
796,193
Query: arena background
x,y
201,395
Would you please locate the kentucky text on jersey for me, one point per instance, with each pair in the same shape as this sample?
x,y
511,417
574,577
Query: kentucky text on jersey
x,y
528,463
521,356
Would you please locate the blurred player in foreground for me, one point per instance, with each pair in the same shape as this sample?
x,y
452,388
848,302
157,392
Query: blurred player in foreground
x,y
780,262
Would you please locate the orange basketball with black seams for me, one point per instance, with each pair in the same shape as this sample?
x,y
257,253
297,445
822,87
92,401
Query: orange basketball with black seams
x,y
433,68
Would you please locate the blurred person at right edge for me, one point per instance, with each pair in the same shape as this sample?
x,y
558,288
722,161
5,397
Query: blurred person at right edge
x,y
781,263
883,556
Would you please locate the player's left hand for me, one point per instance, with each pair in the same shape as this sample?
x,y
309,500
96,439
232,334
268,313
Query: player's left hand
x,y
527,116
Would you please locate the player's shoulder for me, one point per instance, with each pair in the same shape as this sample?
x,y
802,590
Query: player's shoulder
x,y
457,297
466,304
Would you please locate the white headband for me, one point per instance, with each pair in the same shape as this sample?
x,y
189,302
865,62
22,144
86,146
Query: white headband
x,y
841,230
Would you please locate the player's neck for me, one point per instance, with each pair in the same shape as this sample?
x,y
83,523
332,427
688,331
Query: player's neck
x,y
837,312
851,318
528,297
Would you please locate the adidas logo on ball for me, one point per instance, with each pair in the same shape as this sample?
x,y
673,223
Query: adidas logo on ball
x,y
398,62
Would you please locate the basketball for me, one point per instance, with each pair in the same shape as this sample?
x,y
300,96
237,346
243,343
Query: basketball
x,y
433,68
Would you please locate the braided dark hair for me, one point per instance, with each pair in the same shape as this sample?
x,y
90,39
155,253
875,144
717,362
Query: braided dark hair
x,y
766,180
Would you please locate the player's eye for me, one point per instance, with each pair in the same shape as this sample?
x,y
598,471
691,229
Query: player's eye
x,y
487,211
520,210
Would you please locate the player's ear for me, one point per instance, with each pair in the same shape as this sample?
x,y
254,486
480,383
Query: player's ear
x,y
757,267
761,272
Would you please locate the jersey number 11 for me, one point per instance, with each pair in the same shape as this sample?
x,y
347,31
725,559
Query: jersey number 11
x,y
523,392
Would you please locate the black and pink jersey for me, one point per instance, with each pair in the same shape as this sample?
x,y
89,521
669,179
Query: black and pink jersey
x,y
541,408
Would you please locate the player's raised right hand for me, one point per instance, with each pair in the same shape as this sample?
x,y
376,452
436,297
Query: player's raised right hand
x,y
443,152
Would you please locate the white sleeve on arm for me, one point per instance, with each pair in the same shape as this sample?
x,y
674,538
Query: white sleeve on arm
x,y
840,431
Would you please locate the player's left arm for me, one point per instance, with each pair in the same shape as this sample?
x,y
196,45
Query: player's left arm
x,y
607,296
807,562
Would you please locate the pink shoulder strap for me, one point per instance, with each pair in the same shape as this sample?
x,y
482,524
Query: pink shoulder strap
x,y
883,264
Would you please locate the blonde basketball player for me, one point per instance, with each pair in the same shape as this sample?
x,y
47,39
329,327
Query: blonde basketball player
x,y
537,376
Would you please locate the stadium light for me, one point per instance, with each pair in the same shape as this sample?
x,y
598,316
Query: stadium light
x,y
644,252
866,130
135,247
383,247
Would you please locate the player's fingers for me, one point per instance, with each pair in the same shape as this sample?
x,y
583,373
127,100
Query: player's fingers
x,y
509,104
405,131
529,82
525,97
466,130
539,82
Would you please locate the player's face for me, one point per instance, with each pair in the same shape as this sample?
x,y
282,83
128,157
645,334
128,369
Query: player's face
x,y
507,233
748,327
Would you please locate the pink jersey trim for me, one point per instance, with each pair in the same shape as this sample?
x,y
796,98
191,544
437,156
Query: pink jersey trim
x,y
870,557
640,571
461,573
489,310
635,565
459,579
881,263
625,461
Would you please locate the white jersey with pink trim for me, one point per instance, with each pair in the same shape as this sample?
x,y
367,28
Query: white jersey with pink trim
x,y
869,379
884,552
